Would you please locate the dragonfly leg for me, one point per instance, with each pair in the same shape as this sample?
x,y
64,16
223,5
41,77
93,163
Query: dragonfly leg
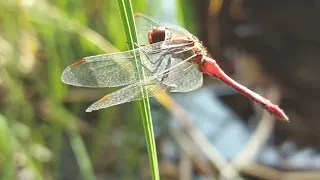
x,y
177,65
171,81
171,51
166,54
167,67
162,57
136,44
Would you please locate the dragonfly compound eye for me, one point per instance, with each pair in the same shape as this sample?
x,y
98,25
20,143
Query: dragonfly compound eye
x,y
157,34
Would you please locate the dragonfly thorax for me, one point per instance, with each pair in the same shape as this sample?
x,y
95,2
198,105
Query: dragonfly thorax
x,y
199,48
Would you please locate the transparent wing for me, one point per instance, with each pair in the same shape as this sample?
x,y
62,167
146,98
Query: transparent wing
x,y
128,94
119,69
145,23
190,79
186,79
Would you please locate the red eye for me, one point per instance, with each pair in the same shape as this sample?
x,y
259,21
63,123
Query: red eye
x,y
157,34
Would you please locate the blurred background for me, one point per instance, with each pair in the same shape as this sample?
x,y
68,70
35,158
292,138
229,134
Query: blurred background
x,y
271,46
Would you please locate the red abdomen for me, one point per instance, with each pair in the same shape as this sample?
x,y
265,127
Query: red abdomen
x,y
210,67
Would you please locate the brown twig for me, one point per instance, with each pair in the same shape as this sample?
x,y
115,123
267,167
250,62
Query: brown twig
x,y
189,149
199,139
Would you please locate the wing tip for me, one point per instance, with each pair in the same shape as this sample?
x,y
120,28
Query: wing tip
x,y
89,109
77,63
66,72
64,76
104,99
94,106
138,14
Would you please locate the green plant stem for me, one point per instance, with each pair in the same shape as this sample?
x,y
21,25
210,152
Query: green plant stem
x,y
127,16
7,150
82,156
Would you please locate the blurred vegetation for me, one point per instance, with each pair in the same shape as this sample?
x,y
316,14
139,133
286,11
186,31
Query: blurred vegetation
x,y
45,132
40,117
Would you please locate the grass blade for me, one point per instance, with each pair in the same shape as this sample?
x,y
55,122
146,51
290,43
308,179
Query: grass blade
x,y
82,156
6,150
127,16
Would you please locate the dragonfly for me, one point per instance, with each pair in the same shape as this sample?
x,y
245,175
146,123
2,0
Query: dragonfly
x,y
172,60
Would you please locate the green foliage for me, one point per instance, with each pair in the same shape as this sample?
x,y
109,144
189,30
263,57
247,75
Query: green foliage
x,y
186,15
38,113
38,39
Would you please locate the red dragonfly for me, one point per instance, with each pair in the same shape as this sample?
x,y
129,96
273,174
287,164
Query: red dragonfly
x,y
173,61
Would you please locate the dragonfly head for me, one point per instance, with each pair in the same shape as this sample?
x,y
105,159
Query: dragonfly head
x,y
156,34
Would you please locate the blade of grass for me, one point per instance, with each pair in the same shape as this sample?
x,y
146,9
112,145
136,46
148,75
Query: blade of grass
x,y
7,150
71,126
186,15
127,16
82,156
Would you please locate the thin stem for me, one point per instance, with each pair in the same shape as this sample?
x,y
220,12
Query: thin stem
x,y
127,16
82,156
